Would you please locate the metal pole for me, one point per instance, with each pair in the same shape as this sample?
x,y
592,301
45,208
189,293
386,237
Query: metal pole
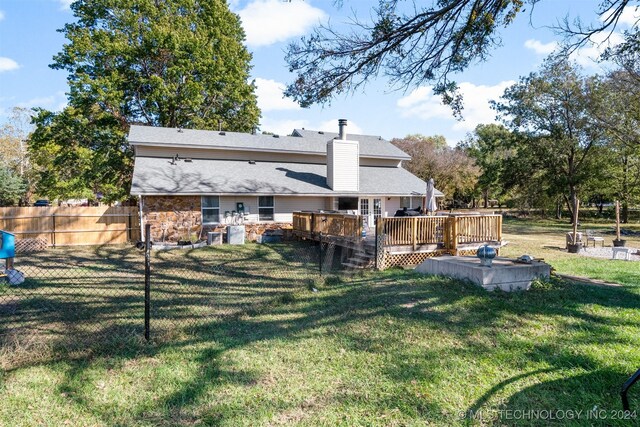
x,y
53,234
375,240
147,279
129,228
320,257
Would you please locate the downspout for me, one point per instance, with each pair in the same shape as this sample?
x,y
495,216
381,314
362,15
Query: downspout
x,y
140,201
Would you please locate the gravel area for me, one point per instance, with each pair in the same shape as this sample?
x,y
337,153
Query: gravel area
x,y
607,252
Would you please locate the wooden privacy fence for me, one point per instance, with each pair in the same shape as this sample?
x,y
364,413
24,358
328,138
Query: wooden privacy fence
x,y
68,226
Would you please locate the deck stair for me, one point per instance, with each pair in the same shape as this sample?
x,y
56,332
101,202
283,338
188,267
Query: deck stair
x,y
360,259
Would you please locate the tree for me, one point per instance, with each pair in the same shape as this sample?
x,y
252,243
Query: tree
x,y
80,152
490,146
412,46
550,110
454,173
12,187
616,110
174,63
14,155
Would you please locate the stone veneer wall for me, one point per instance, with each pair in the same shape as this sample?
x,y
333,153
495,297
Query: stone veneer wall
x,y
172,218
178,217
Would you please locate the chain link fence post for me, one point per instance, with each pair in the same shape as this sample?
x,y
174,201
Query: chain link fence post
x,y
320,254
375,239
147,279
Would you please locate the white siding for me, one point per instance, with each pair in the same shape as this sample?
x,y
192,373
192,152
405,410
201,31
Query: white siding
x,y
284,206
391,206
221,154
390,163
343,165
416,202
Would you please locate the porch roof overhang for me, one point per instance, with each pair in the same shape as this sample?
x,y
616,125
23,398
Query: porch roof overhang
x,y
163,176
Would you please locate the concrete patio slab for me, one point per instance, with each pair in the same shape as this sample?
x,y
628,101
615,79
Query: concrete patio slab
x,y
504,274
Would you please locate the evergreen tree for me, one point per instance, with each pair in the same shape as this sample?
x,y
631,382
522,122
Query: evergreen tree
x,y
174,63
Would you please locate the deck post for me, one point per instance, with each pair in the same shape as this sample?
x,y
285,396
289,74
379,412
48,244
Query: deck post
x,y
312,225
454,235
320,254
414,237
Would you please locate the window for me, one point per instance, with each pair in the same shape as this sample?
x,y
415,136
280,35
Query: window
x,y
210,209
405,202
265,208
364,207
347,203
377,208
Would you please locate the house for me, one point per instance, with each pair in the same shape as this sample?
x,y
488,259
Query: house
x,y
191,181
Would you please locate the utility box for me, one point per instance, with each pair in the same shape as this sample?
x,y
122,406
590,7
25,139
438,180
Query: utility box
x,y
235,234
214,238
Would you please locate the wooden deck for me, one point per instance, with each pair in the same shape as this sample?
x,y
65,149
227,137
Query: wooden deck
x,y
404,240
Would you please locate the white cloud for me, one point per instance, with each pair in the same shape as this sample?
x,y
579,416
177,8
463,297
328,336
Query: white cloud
x,y
630,15
65,4
541,48
8,64
588,56
55,102
42,101
281,127
1,15
423,104
271,96
267,22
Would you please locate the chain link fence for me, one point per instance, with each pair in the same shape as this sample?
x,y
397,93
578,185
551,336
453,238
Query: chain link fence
x,y
79,300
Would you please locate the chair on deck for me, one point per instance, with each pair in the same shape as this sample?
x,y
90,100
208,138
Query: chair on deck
x,y
591,237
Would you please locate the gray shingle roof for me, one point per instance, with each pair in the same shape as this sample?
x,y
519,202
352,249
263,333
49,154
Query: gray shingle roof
x,y
154,175
305,142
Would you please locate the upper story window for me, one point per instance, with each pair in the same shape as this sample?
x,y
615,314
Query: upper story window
x,y
266,211
210,209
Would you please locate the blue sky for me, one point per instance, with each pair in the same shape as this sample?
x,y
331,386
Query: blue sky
x,y
28,41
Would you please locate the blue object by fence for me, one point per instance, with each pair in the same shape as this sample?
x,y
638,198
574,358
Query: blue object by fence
x,y
8,249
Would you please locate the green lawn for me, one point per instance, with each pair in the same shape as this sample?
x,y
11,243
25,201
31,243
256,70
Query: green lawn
x,y
546,239
391,348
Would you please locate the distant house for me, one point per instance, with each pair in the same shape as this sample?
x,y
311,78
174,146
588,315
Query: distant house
x,y
194,180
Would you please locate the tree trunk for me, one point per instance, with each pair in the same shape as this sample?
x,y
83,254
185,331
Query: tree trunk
x,y
486,197
559,209
625,192
624,217
570,201
600,204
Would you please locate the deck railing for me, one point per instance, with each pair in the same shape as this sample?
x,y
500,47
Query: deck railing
x,y
413,231
329,224
445,231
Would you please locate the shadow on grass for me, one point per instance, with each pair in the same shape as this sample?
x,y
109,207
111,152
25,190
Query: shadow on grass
x,y
212,302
